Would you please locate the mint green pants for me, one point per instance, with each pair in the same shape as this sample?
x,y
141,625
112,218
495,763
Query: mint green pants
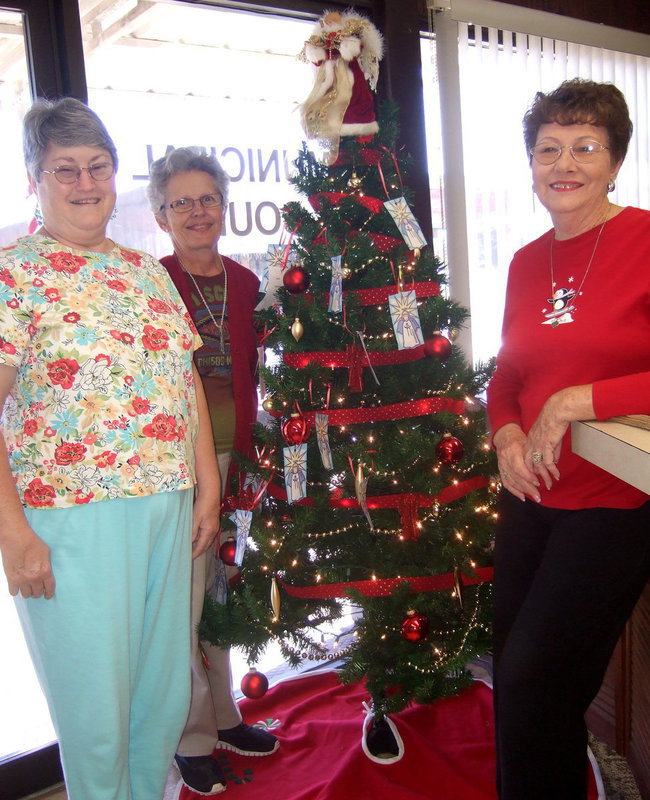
x,y
112,647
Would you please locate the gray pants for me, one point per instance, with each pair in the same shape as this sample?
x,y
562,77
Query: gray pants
x,y
213,705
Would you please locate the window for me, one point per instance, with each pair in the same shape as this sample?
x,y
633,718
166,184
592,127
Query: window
x,y
228,81
487,76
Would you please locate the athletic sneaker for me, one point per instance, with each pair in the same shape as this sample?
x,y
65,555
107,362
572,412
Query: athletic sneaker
x,y
247,741
201,774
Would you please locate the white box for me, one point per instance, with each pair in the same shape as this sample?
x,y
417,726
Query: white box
x,y
620,449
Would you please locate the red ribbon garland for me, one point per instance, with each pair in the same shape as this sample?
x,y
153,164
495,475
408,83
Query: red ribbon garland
x,y
408,506
373,204
369,297
247,499
407,408
383,243
355,359
384,586
447,495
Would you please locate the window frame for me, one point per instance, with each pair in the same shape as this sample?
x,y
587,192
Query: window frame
x,y
444,18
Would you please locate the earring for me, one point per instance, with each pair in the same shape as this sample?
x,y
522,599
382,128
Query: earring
x,y
38,215
114,213
611,186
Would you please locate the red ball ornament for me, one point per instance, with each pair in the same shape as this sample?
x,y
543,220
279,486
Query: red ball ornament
x,y
450,449
227,551
296,428
438,346
415,627
296,280
254,684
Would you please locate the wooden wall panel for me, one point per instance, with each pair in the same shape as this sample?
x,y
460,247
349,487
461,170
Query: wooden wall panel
x,y
620,714
638,751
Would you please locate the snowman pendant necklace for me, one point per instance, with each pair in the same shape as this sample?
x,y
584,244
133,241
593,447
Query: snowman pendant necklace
x,y
561,299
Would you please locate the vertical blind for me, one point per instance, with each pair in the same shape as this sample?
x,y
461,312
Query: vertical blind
x,y
499,73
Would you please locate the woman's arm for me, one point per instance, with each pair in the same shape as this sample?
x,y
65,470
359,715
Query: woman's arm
x,y
207,499
546,434
25,556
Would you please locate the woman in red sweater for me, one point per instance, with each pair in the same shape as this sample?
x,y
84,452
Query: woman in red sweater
x,y
188,193
572,551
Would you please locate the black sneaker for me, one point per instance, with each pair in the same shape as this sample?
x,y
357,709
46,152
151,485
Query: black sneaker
x,y
201,774
247,741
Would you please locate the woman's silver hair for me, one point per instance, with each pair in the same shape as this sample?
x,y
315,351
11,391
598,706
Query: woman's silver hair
x,y
183,159
67,122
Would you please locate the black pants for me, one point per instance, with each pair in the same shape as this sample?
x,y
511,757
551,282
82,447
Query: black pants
x,y
565,583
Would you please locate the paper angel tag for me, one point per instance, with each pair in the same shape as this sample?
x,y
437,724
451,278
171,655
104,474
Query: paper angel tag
x,y
406,320
336,287
242,519
321,421
295,472
271,278
218,590
252,483
406,222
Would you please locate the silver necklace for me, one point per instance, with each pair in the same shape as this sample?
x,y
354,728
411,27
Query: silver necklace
x,y
561,300
218,325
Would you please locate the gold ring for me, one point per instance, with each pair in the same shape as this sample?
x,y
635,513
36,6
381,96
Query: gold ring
x,y
537,457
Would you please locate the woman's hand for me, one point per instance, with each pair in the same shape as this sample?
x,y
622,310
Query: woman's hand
x,y
516,475
544,440
207,500
27,565
206,521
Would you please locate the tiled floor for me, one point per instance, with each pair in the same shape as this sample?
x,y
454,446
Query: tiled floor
x,y
618,780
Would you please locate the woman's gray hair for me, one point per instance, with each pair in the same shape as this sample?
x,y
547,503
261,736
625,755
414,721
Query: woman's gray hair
x,y
183,159
67,122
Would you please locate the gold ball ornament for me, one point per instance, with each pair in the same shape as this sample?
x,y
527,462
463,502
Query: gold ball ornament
x,y
346,272
297,329
267,404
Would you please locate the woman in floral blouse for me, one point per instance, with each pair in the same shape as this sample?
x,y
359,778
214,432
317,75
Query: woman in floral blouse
x,y
107,467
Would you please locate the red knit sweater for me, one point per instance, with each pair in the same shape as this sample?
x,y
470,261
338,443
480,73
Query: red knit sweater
x,y
607,344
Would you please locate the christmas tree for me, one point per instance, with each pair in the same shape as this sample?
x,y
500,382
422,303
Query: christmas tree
x,y
371,499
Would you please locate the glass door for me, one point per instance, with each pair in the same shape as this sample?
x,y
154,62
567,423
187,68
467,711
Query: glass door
x,y
24,721
164,75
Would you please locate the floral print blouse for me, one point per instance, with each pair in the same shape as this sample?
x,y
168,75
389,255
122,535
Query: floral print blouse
x,y
103,405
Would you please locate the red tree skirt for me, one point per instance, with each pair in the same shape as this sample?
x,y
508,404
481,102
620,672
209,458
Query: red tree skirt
x,y
448,748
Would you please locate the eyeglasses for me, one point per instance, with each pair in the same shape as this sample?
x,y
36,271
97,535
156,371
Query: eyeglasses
x,y
98,172
583,153
186,204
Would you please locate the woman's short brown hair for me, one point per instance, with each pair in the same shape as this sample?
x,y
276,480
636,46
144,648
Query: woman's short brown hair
x,y
579,101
